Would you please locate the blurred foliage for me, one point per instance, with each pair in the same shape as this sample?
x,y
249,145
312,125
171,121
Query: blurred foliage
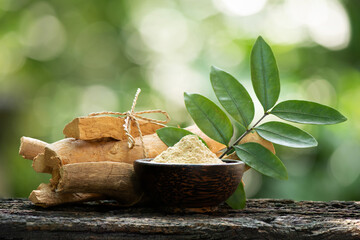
x,y
62,59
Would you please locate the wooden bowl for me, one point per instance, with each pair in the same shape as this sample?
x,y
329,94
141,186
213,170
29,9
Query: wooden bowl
x,y
189,185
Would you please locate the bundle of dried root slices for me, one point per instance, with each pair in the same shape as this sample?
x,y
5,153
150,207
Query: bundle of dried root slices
x,y
92,163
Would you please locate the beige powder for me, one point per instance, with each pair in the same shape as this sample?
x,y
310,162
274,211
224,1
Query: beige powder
x,y
189,150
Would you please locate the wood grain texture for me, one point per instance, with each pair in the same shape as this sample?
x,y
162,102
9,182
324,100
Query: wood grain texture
x,y
99,127
114,179
262,219
189,185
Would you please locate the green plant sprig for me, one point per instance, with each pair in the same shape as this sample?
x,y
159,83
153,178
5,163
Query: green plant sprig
x,y
235,99
228,150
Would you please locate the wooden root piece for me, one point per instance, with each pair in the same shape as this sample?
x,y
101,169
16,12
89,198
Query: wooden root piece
x,y
31,147
99,127
116,180
45,197
70,150
39,164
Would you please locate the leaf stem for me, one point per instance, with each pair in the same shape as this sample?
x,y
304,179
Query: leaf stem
x,y
243,135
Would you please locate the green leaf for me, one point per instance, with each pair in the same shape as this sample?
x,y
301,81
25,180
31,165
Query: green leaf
x,y
307,112
238,199
238,131
285,134
209,118
264,74
261,159
232,96
171,135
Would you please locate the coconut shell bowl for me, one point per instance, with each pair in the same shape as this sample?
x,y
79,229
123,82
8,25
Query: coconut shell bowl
x,y
189,185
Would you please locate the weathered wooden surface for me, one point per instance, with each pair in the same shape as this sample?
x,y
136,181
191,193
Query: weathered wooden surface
x,y
262,219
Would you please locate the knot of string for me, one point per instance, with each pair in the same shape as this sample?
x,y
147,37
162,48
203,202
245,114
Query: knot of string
x,y
135,116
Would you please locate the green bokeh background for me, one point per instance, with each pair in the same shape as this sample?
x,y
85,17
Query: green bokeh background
x,y
63,59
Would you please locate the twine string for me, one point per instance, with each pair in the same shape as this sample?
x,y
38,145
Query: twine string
x,y
135,116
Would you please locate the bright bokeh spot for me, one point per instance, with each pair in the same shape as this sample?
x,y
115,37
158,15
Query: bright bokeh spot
x,y
240,7
319,90
164,30
198,10
45,38
98,98
325,20
173,79
332,29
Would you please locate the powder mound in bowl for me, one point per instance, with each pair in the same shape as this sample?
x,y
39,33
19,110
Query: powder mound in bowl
x,y
189,150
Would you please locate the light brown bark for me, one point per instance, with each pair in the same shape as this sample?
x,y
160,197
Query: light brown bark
x,y
99,127
113,179
31,147
44,196
70,150
39,164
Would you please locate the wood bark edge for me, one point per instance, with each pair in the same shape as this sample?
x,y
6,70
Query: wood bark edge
x,y
31,147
